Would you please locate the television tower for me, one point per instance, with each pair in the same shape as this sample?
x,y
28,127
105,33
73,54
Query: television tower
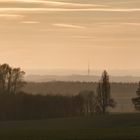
x,y
88,68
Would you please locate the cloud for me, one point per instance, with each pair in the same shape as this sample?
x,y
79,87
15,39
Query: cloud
x,y
132,24
69,26
69,9
59,6
118,24
54,3
11,16
125,2
85,37
30,22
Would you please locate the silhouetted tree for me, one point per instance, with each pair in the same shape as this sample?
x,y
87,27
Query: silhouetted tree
x,y
11,79
136,101
103,93
4,71
17,80
87,101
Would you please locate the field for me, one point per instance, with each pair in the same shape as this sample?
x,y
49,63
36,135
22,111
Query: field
x,y
109,127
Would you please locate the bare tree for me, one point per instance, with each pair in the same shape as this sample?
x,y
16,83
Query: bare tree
x,y
17,80
136,101
103,93
4,70
88,99
11,79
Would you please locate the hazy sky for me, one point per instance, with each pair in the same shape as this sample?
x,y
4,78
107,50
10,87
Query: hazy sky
x,y
66,34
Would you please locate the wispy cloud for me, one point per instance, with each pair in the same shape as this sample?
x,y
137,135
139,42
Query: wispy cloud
x,y
71,9
69,26
29,22
114,24
125,2
54,3
11,16
132,24
84,37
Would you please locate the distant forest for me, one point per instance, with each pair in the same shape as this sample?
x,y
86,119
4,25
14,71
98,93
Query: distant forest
x,y
121,92
73,88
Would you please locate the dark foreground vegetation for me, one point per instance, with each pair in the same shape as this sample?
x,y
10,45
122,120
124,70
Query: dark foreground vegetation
x,y
25,106
100,127
22,106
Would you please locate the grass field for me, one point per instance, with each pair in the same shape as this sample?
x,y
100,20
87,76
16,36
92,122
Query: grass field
x,y
109,127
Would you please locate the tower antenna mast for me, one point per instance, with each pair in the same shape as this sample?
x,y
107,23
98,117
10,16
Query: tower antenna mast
x,y
88,68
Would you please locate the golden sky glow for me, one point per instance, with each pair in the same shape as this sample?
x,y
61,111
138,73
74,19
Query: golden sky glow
x,y
66,34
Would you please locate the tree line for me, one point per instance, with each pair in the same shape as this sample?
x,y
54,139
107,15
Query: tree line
x,y
17,105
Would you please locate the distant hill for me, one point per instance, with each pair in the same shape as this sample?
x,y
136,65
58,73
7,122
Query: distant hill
x,y
80,78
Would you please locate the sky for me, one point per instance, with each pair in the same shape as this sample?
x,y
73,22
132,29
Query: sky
x,y
69,34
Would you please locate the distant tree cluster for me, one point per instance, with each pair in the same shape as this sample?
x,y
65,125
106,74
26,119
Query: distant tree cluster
x,y
99,102
11,79
87,101
17,105
23,106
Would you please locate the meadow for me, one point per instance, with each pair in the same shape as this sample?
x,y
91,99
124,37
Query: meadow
x,y
98,127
